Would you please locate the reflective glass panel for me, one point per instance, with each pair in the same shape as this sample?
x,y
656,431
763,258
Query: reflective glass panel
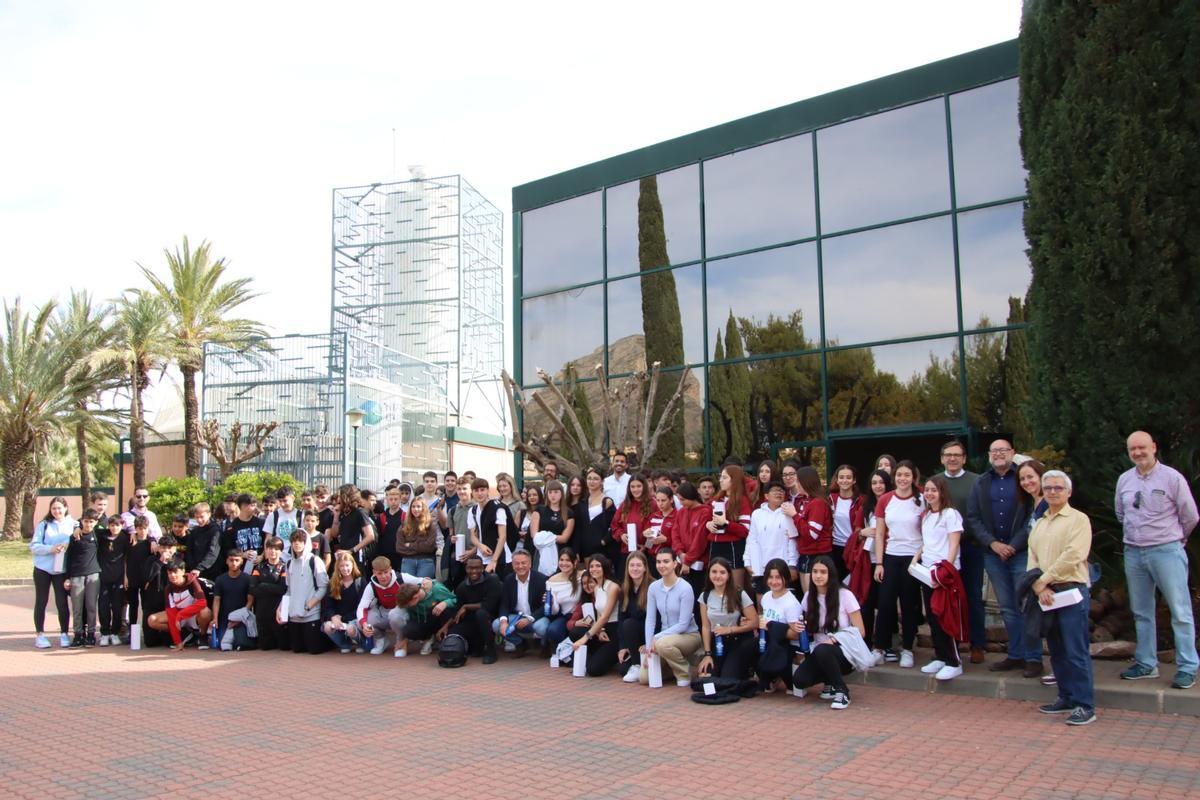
x,y
562,328
890,283
759,196
584,398
656,307
561,244
754,405
654,221
992,264
884,167
987,145
772,296
894,384
998,384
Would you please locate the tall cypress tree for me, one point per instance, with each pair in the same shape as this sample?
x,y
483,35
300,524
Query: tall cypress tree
x,y
1015,382
1110,131
718,405
661,321
739,388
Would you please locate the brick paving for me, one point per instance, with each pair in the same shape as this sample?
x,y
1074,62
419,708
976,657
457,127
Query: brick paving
x,y
112,723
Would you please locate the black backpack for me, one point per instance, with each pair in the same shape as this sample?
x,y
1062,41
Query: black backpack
x,y
452,652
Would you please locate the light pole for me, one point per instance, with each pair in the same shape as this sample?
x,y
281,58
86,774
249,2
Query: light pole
x,y
355,417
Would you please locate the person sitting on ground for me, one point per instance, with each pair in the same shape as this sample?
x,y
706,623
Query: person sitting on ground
x,y
631,630
429,608
522,605
478,604
828,608
728,621
780,607
346,588
600,635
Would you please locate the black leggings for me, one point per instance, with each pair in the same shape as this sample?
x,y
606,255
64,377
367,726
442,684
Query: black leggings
x,y
112,608
631,635
42,581
945,648
601,656
897,584
741,655
825,664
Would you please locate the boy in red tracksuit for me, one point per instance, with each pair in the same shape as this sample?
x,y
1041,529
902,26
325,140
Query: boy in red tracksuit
x,y
185,601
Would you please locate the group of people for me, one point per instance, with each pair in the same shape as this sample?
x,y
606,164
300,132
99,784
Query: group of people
x,y
754,582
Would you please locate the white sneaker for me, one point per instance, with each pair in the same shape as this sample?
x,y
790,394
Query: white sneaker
x,y
932,667
401,653
103,640
683,682
509,647
347,651
380,646
906,659
64,641
876,658
41,642
631,675
359,650
948,672
840,700
427,648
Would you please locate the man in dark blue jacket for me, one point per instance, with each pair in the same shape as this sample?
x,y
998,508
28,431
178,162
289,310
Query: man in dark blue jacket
x,y
522,605
998,520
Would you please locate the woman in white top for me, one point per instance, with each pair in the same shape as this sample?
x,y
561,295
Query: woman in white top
x,y
941,533
829,608
897,540
779,605
564,590
728,620
601,635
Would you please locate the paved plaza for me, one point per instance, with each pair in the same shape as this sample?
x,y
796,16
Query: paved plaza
x,y
108,722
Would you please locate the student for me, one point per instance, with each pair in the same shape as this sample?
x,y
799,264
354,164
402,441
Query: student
x,y
83,578
460,519
941,536
478,604
661,530
887,464
284,518
390,521
575,491
245,530
828,608
341,604
706,487
185,608
506,489
233,605
898,538
268,583
113,554
815,525
490,525
670,611
689,536
315,543
353,528
550,527
522,606
322,500
631,630
565,593
767,472
778,607
593,518
600,636
307,583
267,506
417,543
880,484
729,620
155,583
730,525
137,563
378,614
534,499
203,546
429,608
636,510
846,505
772,535
49,547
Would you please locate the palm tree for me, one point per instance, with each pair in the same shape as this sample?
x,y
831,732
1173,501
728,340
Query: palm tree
x,y
37,384
199,305
141,343
88,327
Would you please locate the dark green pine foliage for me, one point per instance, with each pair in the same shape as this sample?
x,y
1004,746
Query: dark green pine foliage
x,y
739,390
1016,378
661,321
579,403
718,405
1110,131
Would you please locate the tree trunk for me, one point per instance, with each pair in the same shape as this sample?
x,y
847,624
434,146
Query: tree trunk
x,y
20,472
191,423
85,472
137,430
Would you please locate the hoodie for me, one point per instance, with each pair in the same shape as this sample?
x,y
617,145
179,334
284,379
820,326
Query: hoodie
x,y
114,547
46,536
383,595
203,546
307,582
772,535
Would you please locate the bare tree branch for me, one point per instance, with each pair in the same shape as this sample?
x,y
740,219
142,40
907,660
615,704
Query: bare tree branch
x,y
666,420
581,440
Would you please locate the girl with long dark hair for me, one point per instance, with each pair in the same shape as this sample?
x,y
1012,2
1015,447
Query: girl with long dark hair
x,y
728,620
828,608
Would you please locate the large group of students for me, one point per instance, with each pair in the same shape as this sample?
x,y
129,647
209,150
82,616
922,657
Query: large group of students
x,y
734,585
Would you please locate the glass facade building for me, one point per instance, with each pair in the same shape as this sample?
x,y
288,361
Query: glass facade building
x,y
838,272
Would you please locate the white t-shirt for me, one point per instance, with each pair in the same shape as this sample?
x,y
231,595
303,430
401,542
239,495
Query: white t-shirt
x,y
903,518
615,488
474,523
847,605
781,609
935,535
841,521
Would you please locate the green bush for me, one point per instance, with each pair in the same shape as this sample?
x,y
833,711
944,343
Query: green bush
x,y
171,496
255,484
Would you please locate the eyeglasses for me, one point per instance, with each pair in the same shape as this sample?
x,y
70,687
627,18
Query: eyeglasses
x,y
142,496
1059,489
998,450
789,473
949,454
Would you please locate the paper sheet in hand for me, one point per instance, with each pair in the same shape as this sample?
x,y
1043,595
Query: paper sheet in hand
x,y
283,608
921,573
460,545
1063,599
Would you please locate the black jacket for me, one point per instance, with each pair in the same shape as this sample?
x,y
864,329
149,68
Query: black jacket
x,y
113,552
203,549
592,536
979,523
155,585
82,555
268,583
537,595
486,593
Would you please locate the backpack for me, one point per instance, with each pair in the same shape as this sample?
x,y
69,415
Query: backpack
x,y
452,652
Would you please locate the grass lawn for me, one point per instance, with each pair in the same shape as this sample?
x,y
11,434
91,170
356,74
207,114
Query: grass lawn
x,y
15,560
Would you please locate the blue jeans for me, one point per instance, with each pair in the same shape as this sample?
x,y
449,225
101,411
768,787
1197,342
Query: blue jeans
x,y
1069,657
1004,576
1163,567
419,567
537,629
972,578
556,629
343,642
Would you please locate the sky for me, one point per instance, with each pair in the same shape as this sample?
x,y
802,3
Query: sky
x,y
128,125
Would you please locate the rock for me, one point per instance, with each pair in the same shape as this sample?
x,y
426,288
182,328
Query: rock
x,y
997,633
1096,610
1105,598
1101,634
1111,624
1115,649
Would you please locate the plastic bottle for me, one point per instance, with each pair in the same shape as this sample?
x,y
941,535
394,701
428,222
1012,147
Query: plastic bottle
x,y
762,641
719,647
804,641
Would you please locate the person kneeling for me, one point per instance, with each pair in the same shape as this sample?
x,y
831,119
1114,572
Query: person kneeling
x,y
186,607
830,611
429,609
478,604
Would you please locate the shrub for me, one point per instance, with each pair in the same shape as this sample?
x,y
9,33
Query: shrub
x,y
171,496
255,484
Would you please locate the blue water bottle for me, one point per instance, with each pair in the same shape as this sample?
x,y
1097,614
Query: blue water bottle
x,y
804,641
720,647
215,644
762,641
549,604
